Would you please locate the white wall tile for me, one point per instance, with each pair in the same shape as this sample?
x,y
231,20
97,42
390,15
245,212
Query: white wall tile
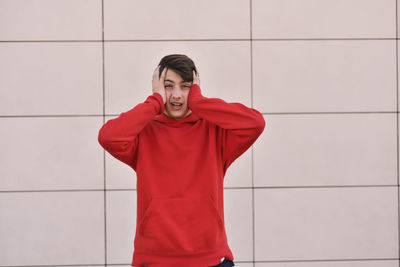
x,y
398,72
224,69
324,76
239,222
42,153
324,19
118,174
121,225
50,20
191,19
239,174
380,263
398,19
327,149
52,228
326,223
51,78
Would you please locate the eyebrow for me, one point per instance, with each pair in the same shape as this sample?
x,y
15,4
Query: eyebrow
x,y
167,80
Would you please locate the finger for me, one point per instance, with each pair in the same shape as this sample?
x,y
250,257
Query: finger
x,y
163,74
156,71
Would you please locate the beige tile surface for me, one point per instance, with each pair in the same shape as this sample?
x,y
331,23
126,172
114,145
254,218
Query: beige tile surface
x,y
398,18
326,223
121,225
239,174
398,95
50,153
239,222
50,20
176,19
130,66
118,174
327,149
51,79
324,76
53,228
324,19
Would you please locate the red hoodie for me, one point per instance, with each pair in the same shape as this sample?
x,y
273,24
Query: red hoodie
x,y
180,167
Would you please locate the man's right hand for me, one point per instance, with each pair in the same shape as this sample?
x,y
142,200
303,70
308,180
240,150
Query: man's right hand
x,y
158,82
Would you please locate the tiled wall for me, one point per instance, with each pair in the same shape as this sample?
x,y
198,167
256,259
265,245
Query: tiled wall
x,y
319,188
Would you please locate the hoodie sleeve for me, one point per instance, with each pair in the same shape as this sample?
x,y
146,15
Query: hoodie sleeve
x,y
241,126
119,136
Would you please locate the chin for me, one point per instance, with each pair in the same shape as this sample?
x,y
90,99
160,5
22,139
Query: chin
x,y
178,115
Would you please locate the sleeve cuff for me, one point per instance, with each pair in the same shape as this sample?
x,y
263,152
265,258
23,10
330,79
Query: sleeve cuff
x,y
195,91
157,101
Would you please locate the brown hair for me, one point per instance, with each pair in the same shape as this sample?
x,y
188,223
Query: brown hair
x,y
181,64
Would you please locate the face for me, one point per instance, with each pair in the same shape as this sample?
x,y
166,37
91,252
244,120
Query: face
x,y
176,91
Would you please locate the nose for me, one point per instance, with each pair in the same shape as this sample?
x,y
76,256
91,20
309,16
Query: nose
x,y
176,93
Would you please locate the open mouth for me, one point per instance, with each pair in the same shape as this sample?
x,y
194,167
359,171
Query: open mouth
x,y
176,106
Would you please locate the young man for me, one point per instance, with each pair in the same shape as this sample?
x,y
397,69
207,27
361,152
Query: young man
x,y
180,145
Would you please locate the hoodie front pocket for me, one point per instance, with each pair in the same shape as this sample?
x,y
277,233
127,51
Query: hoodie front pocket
x,y
181,225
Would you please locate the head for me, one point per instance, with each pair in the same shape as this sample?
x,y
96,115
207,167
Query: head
x,y
177,82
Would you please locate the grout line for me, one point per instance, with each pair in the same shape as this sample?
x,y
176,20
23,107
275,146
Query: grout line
x,y
199,40
277,261
233,188
397,128
104,153
320,186
264,113
252,147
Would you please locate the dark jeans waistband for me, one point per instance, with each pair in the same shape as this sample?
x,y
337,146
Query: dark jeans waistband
x,y
225,263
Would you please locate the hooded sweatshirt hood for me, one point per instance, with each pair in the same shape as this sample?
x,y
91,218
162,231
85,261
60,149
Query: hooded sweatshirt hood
x,y
188,120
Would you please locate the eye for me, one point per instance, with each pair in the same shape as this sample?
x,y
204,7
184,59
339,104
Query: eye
x,y
168,85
